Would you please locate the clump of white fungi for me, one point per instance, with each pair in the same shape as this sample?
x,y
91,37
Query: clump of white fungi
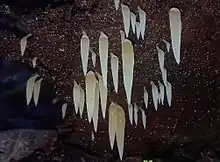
x,y
96,84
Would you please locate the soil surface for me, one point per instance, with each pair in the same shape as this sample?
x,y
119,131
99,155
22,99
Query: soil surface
x,y
186,131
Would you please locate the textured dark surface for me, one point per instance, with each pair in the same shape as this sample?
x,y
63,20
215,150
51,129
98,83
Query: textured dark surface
x,y
182,131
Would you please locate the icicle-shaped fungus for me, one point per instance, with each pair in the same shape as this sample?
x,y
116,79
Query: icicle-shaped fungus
x,y
64,107
128,67
142,16
175,30
130,112
82,101
126,18
145,98
133,22
114,68
160,54
155,95
164,76
167,45
103,53
112,126
76,96
93,57
169,93
84,51
103,94
161,88
30,88
95,116
92,136
122,34
143,118
116,2
23,43
120,133
37,86
135,114
138,30
90,93
34,62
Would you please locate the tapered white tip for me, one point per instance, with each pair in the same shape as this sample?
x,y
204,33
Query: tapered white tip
x,y
126,18
23,43
128,67
130,112
64,107
142,16
37,86
30,88
138,30
145,97
175,30
169,93
114,68
103,53
76,96
34,62
155,95
116,2
133,22
84,51
90,93
103,94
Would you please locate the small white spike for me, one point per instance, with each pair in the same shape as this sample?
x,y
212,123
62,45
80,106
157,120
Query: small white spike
x,y
95,116
135,114
90,93
142,16
92,136
103,53
64,107
160,54
161,88
37,86
23,43
116,2
167,45
164,76
138,30
112,126
30,88
133,22
175,30
82,101
103,94
126,18
169,93
76,96
120,130
155,95
130,112
128,67
84,51
93,57
114,68
122,34
34,62
143,118
145,98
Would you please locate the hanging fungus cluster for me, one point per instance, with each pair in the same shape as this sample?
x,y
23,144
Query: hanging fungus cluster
x,y
96,84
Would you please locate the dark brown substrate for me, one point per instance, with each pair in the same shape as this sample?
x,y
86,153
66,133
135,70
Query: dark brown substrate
x,y
189,130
